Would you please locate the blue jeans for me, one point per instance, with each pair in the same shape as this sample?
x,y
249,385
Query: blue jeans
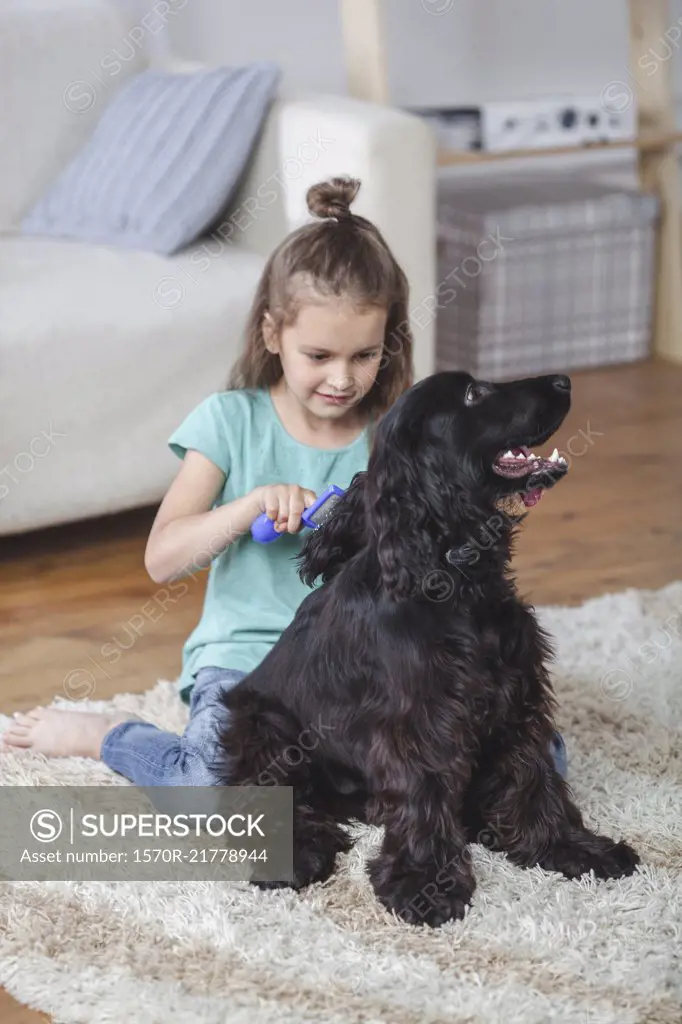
x,y
557,749
149,756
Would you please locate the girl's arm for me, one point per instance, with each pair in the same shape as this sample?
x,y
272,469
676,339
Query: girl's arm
x,y
188,532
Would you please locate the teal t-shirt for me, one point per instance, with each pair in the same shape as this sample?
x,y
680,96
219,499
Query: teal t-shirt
x,y
253,589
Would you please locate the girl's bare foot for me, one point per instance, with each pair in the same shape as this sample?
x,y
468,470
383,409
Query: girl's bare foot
x,y
57,733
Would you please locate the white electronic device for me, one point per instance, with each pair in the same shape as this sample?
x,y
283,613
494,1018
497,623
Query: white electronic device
x,y
557,121
503,125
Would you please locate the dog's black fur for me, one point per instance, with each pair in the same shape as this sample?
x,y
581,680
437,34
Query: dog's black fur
x,y
420,669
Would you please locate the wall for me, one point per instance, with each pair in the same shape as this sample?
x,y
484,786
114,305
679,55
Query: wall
x,y
440,52
303,36
474,50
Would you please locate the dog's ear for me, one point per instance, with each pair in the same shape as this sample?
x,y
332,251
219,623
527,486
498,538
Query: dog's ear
x,y
404,505
342,536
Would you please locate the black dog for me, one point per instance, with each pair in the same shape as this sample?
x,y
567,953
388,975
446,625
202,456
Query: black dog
x,y
422,663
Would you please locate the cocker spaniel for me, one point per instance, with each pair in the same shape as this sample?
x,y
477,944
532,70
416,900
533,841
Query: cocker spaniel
x,y
429,668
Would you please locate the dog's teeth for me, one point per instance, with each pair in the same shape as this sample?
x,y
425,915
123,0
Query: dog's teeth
x,y
554,457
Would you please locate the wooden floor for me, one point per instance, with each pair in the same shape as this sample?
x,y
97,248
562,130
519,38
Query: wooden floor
x,y
79,615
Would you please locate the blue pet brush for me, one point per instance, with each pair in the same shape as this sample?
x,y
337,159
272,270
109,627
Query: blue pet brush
x,y
263,528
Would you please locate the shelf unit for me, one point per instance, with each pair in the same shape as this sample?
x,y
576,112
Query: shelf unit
x,y
650,141
655,143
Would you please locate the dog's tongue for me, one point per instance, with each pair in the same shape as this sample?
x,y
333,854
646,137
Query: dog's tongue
x,y
532,497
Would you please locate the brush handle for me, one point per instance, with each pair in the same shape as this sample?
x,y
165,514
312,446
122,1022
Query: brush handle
x,y
263,528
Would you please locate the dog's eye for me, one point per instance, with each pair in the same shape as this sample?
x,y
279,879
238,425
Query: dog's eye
x,y
474,393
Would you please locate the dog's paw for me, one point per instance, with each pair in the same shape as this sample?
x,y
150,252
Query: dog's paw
x,y
421,898
599,854
414,906
310,865
313,865
271,885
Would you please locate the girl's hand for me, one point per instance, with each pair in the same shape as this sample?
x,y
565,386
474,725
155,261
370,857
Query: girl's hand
x,y
285,504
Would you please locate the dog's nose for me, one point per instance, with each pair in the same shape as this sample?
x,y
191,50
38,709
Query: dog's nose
x,y
562,382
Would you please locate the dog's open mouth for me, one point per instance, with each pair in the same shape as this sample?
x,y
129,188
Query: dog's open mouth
x,y
537,472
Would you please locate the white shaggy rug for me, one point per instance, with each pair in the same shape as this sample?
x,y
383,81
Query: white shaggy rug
x,y
533,948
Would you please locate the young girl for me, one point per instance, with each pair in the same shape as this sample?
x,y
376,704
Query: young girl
x,y
328,351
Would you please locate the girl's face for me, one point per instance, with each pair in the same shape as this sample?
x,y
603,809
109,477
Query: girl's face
x,y
332,349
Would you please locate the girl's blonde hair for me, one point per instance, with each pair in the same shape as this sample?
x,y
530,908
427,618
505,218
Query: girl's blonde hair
x,y
340,255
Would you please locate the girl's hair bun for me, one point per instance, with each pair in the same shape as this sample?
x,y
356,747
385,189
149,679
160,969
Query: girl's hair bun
x,y
333,198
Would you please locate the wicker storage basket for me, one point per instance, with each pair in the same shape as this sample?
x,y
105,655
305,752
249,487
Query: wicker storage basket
x,y
542,275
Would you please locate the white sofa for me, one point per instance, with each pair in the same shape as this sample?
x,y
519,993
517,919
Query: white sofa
x,y
104,351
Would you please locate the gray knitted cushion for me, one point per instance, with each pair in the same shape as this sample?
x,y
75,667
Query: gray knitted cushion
x,y
163,161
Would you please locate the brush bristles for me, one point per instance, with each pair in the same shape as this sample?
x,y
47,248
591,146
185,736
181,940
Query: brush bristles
x,y
324,511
